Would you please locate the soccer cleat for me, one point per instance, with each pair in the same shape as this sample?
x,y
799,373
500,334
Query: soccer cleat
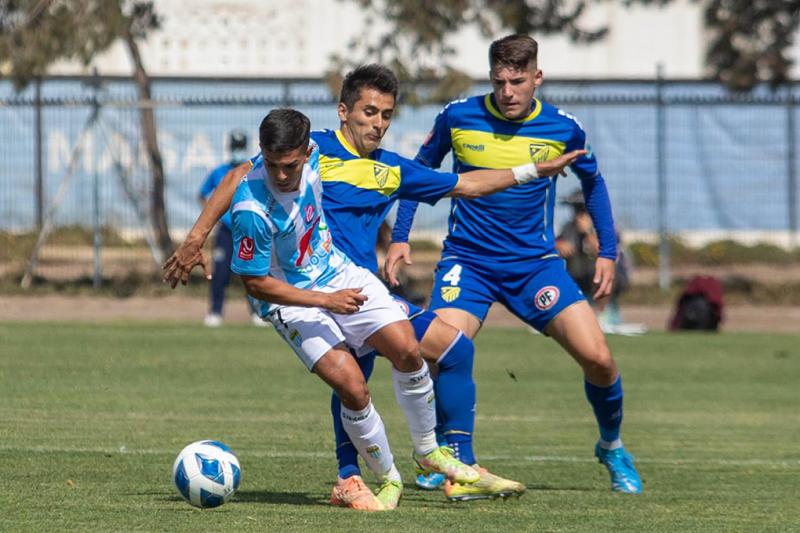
x,y
429,480
488,487
442,460
257,321
212,320
354,494
624,477
389,494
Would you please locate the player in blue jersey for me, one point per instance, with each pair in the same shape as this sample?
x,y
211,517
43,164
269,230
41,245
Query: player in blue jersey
x,y
237,144
319,302
360,183
501,248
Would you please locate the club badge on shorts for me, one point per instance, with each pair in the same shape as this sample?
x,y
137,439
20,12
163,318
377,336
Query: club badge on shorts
x,y
546,298
449,294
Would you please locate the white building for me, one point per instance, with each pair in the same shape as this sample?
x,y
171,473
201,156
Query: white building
x,y
295,38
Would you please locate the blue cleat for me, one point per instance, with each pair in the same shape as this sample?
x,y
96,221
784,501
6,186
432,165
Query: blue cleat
x,y
430,480
624,477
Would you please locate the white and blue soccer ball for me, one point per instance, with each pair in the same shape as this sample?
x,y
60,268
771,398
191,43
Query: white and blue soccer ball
x,y
206,473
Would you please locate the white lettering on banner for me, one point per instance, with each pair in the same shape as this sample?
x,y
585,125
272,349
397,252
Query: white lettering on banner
x,y
200,154
58,151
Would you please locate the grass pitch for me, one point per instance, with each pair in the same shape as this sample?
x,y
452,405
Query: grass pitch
x,y
93,416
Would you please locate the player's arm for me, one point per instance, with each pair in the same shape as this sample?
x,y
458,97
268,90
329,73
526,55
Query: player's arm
x,y
267,288
598,204
189,254
477,183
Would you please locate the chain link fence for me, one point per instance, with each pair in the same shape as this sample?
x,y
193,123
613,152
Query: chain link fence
x,y
683,160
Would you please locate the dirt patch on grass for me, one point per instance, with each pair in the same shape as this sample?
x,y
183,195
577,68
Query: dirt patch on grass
x,y
181,308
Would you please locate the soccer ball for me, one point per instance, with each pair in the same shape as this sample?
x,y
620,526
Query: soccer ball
x,y
206,473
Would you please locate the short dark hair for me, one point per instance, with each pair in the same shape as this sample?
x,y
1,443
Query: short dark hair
x,y
283,130
515,51
374,76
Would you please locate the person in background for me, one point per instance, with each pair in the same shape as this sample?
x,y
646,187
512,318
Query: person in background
x,y
577,243
223,240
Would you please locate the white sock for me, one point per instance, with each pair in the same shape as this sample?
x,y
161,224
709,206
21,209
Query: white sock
x,y
613,445
367,433
414,393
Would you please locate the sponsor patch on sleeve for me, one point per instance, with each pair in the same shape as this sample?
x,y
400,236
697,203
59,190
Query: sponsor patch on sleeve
x,y
246,248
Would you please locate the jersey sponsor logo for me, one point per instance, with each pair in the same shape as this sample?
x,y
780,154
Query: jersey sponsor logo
x,y
381,174
309,213
450,294
546,298
246,249
305,248
474,147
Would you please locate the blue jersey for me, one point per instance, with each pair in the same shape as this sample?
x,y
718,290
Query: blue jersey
x,y
358,192
211,183
517,223
283,235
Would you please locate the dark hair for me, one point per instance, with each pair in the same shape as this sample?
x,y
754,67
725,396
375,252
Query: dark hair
x,y
373,76
237,140
513,51
283,130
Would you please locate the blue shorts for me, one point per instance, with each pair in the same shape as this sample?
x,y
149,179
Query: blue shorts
x,y
535,291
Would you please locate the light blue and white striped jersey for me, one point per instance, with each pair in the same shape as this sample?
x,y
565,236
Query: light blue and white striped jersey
x,y
283,235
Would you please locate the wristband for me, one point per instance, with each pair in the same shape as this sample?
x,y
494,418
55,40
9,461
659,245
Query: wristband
x,y
525,173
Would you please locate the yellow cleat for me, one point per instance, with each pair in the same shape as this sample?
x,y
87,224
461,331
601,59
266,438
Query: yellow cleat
x,y
488,487
353,493
443,461
389,494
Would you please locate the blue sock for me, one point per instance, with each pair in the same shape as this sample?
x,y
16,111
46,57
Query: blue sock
x,y
607,405
455,398
346,453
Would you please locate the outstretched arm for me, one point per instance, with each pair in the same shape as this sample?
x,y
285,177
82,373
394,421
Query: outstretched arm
x,y
189,254
477,183
267,288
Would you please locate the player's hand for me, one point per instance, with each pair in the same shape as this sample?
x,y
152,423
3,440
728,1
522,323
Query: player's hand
x,y
180,264
344,301
603,280
557,165
398,251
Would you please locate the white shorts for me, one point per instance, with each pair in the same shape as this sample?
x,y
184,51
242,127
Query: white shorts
x,y
312,331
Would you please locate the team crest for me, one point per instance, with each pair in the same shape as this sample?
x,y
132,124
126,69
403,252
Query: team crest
x,y
374,451
295,338
540,152
403,305
546,298
309,212
381,174
450,294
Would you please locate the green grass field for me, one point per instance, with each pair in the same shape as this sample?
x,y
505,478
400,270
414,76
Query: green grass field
x,y
93,416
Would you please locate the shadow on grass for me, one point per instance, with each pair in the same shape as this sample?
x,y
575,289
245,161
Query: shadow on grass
x,y
266,496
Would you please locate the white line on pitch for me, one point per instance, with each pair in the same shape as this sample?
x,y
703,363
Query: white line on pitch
x,y
277,454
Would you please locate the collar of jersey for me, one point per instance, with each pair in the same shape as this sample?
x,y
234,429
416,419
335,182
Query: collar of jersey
x,y
537,108
345,144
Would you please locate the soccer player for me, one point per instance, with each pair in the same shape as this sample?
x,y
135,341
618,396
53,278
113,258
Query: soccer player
x,y
318,300
500,248
360,183
223,244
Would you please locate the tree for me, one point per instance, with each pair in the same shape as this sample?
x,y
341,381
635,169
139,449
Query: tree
x,y
749,39
36,33
415,41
